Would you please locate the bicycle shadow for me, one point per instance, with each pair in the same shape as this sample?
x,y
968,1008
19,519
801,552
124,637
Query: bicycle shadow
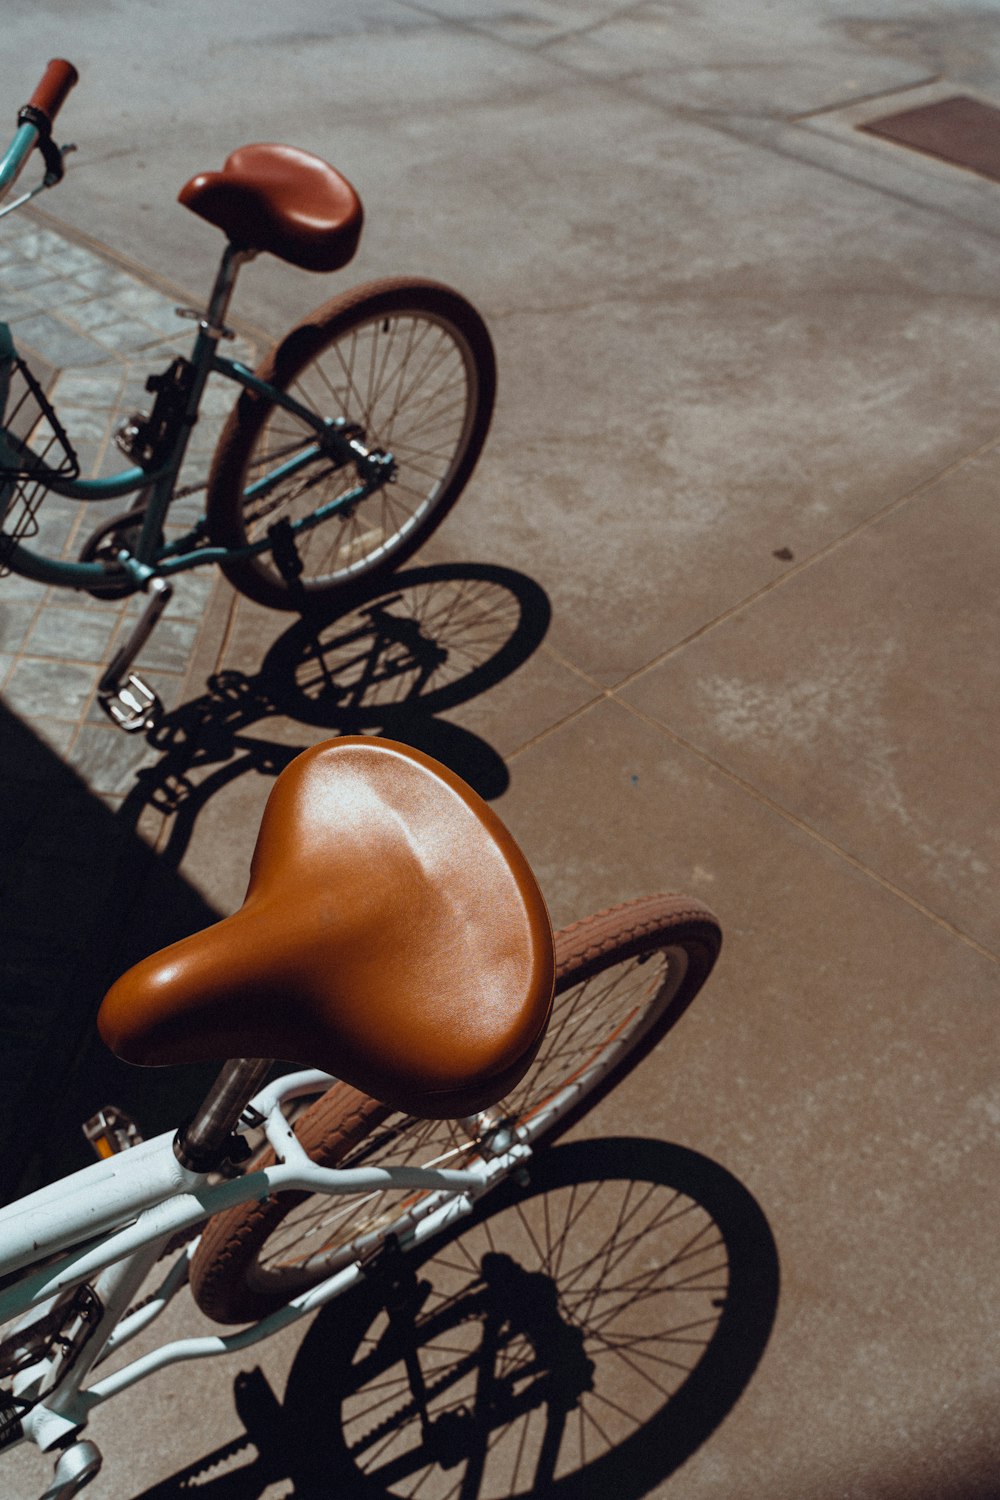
x,y
392,664
584,1333
84,894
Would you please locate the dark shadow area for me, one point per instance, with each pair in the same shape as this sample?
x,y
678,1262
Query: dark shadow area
x,y
439,637
81,897
581,1333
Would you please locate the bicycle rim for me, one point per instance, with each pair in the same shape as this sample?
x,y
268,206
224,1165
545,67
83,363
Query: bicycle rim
x,y
409,366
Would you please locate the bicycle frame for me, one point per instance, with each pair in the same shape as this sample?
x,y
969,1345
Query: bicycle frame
x,y
153,560
108,1224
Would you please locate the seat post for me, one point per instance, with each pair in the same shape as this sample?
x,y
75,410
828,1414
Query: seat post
x,y
212,323
202,1144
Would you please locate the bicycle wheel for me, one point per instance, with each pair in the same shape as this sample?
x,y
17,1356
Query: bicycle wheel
x,y
410,364
623,977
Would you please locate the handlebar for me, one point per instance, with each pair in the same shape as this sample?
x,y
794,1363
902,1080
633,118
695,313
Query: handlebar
x,y
34,123
50,94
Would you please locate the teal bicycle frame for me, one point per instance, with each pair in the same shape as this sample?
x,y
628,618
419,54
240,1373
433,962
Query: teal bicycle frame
x,y
152,559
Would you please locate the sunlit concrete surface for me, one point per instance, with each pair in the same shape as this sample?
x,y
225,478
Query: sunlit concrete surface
x,y
720,609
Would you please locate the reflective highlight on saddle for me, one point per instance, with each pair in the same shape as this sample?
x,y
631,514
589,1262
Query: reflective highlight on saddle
x,y
392,934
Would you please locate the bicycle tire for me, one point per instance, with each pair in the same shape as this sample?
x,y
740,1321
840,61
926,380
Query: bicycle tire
x,y
411,363
252,1259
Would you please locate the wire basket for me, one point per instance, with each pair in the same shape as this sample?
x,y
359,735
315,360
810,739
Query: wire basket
x,y
34,453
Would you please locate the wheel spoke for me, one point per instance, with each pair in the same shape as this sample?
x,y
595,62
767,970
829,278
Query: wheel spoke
x,y
413,379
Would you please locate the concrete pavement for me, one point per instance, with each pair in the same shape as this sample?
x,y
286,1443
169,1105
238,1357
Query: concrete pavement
x,y
737,518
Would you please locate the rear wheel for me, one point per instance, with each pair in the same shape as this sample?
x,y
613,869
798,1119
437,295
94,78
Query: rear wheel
x,y
409,364
623,977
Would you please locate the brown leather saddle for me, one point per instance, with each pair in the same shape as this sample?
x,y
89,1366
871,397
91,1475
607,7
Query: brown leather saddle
x,y
392,934
283,200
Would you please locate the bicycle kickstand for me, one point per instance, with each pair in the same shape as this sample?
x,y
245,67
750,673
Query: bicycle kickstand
x,y
123,695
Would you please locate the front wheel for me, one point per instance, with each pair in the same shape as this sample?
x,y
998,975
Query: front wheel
x,y
409,364
623,977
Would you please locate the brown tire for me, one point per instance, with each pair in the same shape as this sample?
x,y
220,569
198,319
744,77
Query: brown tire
x,y
610,1010
411,363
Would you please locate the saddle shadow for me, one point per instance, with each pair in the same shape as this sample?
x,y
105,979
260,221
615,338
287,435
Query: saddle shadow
x,y
581,1333
391,665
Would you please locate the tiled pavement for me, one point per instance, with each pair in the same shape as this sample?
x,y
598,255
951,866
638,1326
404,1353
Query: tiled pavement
x,y
75,862
104,330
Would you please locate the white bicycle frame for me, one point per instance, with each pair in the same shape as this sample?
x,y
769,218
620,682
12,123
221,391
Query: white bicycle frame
x,y
113,1220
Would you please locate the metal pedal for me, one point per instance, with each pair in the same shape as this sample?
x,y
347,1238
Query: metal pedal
x,y
75,1467
123,695
111,1130
134,706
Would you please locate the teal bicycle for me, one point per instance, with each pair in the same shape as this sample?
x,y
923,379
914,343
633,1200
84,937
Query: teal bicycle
x,y
344,451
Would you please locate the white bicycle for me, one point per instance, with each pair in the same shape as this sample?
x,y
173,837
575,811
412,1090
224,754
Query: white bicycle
x,y
394,939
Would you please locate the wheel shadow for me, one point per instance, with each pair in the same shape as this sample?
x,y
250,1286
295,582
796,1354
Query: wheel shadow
x,y
583,1332
84,896
392,664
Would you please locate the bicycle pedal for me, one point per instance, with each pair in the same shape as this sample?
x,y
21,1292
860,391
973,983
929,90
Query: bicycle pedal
x,y
75,1468
133,706
111,1130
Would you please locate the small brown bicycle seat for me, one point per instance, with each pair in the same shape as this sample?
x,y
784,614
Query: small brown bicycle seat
x,y
283,200
392,934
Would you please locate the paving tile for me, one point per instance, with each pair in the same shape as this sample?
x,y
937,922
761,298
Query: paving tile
x,y
69,633
37,244
192,591
28,276
124,335
13,586
50,689
15,621
169,647
96,312
61,344
109,760
57,522
822,693
150,306
85,427
93,389
104,278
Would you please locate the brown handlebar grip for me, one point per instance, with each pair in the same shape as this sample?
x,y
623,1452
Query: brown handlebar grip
x,y
50,95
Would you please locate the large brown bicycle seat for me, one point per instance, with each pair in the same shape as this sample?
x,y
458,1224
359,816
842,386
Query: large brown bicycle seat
x,y
283,200
392,934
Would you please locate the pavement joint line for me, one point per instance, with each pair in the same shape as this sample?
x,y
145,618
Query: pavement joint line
x,y
858,100
812,832
715,119
610,695
820,555
570,718
718,120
